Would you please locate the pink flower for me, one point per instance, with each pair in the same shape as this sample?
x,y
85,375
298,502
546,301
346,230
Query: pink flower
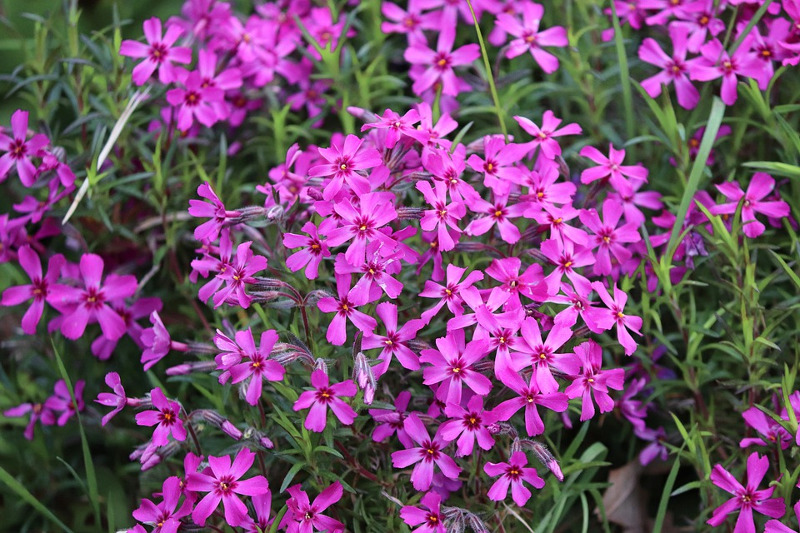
x,y
594,380
325,396
39,289
771,430
19,149
495,213
499,166
611,169
197,100
608,237
314,248
157,342
345,310
116,399
760,187
346,163
394,343
306,517
529,283
716,63
92,302
209,230
257,367
471,424
166,416
450,292
529,38
377,270
528,396
452,365
410,21
392,421
566,259
159,52
513,473
443,215
240,273
62,402
426,455
746,498
436,67
262,504
38,412
615,315
222,484
397,127
362,224
166,516
544,137
674,69
430,519
543,354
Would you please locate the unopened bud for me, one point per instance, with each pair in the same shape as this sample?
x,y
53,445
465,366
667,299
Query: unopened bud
x,y
476,524
363,375
320,364
546,458
191,368
410,213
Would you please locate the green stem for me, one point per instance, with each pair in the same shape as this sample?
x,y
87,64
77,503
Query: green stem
x,y
489,74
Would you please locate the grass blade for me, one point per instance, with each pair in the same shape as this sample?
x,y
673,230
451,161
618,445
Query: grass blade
x,y
625,79
666,493
30,499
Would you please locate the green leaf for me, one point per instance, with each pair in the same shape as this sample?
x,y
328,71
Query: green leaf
x,y
30,499
666,493
773,167
290,475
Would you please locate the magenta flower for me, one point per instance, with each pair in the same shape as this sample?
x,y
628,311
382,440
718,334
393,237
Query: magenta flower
x,y
716,63
546,188
197,100
611,169
544,356
117,399
394,343
468,425
306,517
772,431
159,53
39,289
426,455
209,230
594,380
376,209
390,422
528,396
345,310
409,20
377,271
157,342
499,164
746,498
240,273
346,163
61,401
92,302
556,218
529,38
566,259
222,484
608,237
166,516
166,416
430,519
324,396
314,247
397,127
262,504
760,187
443,215
495,213
453,366
529,283
258,366
631,202
675,68
513,473
436,67
19,149
615,315
38,412
544,137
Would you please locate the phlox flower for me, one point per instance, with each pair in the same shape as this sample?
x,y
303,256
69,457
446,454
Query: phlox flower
x,y
611,169
38,412
345,310
468,425
323,396
257,366
566,258
614,315
449,293
635,199
306,517
656,448
594,380
609,238
529,38
556,218
410,20
165,516
377,271
483,311
362,224
752,202
697,21
39,288
436,66
90,303
746,498
240,273
159,53
196,100
443,216
545,188
19,149
543,355
222,483
675,68
426,455
716,63
397,127
116,399
496,213
452,366
346,162
262,504
429,518
771,431
166,416
528,396
512,474
103,348
157,342
449,168
499,164
775,526
544,137
394,343
210,229
391,422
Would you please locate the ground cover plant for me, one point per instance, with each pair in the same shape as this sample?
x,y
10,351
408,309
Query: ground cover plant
x,y
436,266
